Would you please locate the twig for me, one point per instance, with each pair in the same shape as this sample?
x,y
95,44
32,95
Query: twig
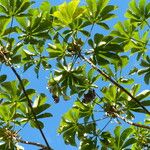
x,y
33,143
96,120
132,123
114,82
106,125
28,100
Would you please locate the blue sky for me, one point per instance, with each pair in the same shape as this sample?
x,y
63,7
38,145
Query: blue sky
x,y
51,124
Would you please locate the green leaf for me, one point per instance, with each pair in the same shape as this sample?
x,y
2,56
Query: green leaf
x,y
87,144
129,142
99,11
45,6
39,100
143,94
135,89
147,120
57,50
132,71
85,110
147,78
10,87
134,7
16,59
117,134
103,25
142,5
3,78
41,108
124,135
126,81
44,115
145,63
92,5
6,113
3,25
34,124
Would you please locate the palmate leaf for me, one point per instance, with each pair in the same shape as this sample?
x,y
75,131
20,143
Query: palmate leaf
x,y
14,8
99,11
138,13
32,56
77,26
110,93
123,34
34,28
57,51
104,51
126,34
67,13
45,6
85,110
67,77
69,126
107,140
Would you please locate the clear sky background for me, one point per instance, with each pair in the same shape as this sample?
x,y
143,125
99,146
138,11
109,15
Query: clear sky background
x,y
51,124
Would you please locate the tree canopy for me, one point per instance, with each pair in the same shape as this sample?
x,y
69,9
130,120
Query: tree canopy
x,y
104,73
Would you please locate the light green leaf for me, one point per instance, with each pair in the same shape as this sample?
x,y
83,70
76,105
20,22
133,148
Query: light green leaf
x,y
45,6
143,94
67,13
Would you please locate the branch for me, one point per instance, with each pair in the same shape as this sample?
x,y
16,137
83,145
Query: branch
x,y
100,119
114,82
132,123
33,143
26,95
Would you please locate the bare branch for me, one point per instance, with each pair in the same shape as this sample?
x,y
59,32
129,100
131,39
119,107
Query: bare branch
x,y
132,123
33,143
